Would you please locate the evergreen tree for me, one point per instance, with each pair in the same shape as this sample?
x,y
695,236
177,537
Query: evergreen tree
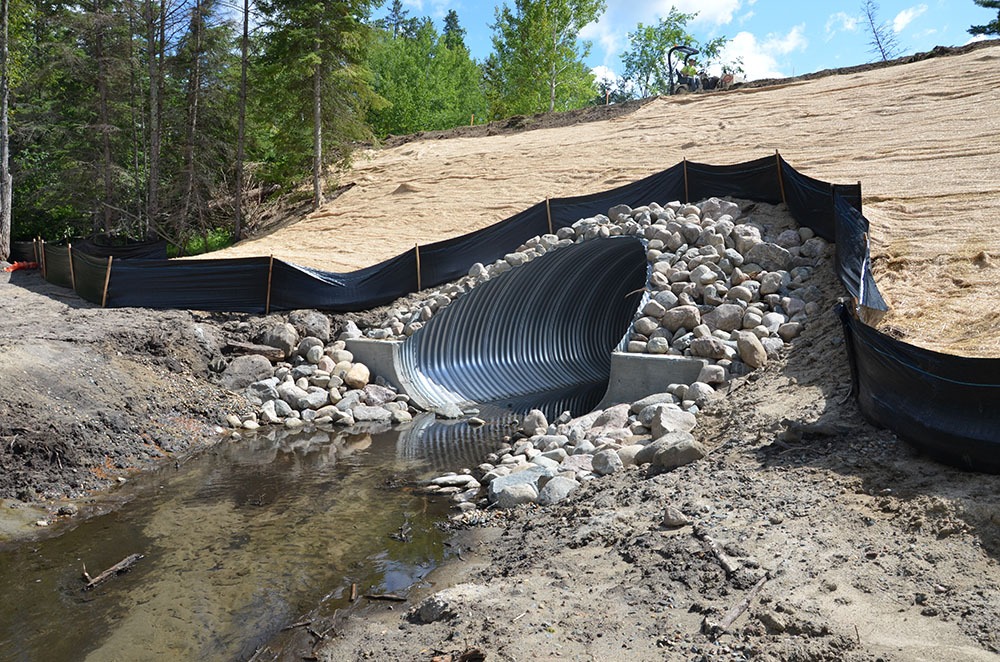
x,y
883,40
454,34
993,27
317,87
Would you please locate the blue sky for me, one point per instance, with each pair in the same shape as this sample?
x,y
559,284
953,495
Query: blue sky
x,y
774,38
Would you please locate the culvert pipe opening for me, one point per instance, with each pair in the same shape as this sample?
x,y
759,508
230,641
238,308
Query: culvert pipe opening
x,y
540,335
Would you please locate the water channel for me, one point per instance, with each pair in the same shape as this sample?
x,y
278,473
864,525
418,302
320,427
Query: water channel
x,y
237,543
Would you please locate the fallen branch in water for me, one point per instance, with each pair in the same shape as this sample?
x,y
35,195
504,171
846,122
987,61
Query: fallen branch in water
x,y
119,568
391,597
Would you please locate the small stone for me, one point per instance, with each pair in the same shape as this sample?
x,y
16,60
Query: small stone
x,y
679,317
751,350
712,374
673,518
357,376
556,490
789,331
727,317
646,325
658,345
709,348
606,462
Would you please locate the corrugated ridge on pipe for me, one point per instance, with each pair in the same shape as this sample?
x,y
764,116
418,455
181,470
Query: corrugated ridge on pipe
x,y
547,326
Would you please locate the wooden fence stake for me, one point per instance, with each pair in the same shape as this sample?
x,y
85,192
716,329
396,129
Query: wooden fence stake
x,y
416,247
41,252
267,301
107,279
687,196
72,274
548,213
781,181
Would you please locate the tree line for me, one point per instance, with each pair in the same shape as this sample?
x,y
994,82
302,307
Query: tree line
x,y
168,118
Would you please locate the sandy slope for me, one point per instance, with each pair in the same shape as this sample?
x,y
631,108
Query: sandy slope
x,y
923,138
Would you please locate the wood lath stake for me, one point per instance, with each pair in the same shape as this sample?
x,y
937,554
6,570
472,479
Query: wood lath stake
x,y
416,247
548,213
687,196
72,274
107,279
267,301
781,180
41,253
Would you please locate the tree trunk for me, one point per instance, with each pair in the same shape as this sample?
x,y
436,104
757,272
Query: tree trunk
x,y
318,127
136,111
241,131
194,93
154,43
105,120
5,179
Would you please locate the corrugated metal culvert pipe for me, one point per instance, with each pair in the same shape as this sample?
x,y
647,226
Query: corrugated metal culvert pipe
x,y
540,335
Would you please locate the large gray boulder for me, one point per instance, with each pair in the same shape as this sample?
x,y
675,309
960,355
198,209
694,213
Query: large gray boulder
x,y
244,371
311,323
282,336
671,451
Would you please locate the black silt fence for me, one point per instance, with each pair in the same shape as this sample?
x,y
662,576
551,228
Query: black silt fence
x,y
946,405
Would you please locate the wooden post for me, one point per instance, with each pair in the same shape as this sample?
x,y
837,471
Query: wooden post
x,y
72,275
472,120
416,247
41,254
781,181
267,301
548,213
687,196
107,279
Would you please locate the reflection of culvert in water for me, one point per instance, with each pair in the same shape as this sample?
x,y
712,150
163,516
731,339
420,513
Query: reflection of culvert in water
x,y
447,445
540,335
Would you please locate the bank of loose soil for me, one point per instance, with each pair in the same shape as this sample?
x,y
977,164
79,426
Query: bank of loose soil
x,y
867,551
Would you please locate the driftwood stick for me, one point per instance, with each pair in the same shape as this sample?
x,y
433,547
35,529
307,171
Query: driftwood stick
x,y
121,567
737,610
354,593
728,564
390,597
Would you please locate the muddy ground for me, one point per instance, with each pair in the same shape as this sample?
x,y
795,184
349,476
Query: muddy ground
x,y
841,541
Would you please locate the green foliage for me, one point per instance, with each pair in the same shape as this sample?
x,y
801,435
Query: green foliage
x,y
646,70
993,27
306,39
538,64
428,84
212,240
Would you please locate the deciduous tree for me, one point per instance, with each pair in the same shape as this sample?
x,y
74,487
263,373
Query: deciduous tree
x,y
538,61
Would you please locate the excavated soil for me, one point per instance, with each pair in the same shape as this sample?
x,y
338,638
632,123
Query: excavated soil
x,y
859,548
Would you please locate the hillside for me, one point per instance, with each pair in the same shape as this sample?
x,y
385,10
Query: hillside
x,y
920,136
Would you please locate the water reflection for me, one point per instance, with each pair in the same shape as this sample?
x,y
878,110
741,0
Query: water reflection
x,y
237,542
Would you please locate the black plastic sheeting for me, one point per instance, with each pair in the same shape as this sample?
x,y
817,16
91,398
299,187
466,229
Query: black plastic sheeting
x,y
944,404
948,406
22,251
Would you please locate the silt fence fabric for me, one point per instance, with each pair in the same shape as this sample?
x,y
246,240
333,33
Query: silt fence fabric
x,y
946,405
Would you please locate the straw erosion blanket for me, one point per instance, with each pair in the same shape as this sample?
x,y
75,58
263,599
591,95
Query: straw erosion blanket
x,y
919,136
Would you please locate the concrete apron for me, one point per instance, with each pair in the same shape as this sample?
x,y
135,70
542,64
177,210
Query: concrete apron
x,y
633,376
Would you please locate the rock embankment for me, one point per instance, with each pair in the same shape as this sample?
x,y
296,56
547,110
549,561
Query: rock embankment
x,y
726,283
315,382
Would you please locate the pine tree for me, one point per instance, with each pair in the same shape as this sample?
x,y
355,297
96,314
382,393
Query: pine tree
x,y
993,27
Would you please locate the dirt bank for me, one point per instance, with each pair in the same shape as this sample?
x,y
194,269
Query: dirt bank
x,y
841,542
89,395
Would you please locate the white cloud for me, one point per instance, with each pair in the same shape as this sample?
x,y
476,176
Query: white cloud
x,y
840,22
606,37
978,37
712,12
760,58
746,17
906,16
